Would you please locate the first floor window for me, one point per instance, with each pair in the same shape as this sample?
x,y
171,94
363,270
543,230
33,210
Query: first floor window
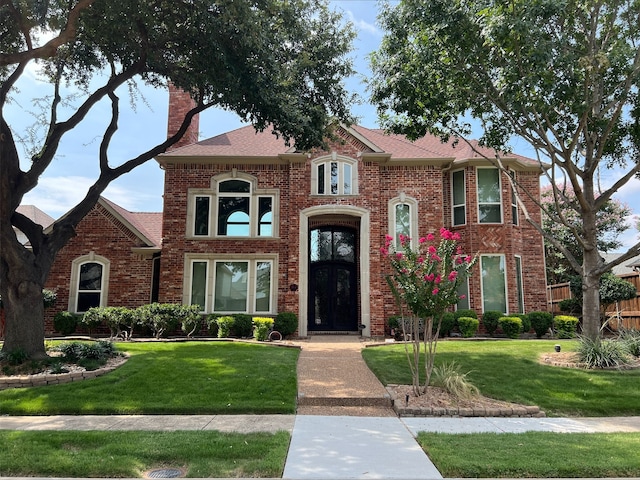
x,y
403,219
494,283
463,295
235,286
89,282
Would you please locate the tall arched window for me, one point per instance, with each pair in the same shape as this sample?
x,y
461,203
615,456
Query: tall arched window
x,y
403,218
89,283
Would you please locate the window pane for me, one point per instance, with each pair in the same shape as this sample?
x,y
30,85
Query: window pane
x,y
347,179
321,179
403,221
334,178
463,291
320,247
90,276
520,291
201,226
231,287
87,300
234,186
459,216
488,185
493,283
489,214
239,224
199,284
263,287
265,217
458,188
344,246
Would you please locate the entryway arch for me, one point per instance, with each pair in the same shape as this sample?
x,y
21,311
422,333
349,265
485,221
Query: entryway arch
x,y
363,242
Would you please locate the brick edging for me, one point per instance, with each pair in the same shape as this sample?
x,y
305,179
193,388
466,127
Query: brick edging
x,y
40,380
515,411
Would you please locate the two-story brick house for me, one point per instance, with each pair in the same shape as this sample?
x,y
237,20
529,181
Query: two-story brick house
x,y
251,225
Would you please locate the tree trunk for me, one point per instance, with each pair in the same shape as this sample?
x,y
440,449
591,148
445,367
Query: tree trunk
x,y
21,283
590,280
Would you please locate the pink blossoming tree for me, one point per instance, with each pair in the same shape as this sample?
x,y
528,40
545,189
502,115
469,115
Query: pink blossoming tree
x,y
425,284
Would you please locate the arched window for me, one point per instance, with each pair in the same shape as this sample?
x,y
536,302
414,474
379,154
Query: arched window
x,y
89,283
334,176
234,207
403,219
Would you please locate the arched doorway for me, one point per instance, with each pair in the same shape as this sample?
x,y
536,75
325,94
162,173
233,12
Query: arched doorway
x,y
333,279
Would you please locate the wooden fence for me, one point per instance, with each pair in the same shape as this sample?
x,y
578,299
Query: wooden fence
x,y
626,312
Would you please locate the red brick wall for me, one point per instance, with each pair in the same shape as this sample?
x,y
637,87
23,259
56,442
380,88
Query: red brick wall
x,y
180,103
130,274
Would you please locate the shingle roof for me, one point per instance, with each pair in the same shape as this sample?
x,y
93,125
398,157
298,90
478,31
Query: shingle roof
x,y
246,142
36,215
147,224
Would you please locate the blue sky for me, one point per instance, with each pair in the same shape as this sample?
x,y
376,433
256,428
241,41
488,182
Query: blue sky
x,y
75,167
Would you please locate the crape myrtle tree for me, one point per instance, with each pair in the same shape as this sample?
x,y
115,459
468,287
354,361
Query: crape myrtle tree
x,y
561,202
279,64
560,74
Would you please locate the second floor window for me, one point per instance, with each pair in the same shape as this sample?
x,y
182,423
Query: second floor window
x,y
234,209
458,198
489,197
334,176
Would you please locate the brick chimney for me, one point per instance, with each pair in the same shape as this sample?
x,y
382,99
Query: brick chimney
x,y
180,102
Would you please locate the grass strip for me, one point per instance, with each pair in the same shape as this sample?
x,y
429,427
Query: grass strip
x,y
130,454
174,378
533,454
510,370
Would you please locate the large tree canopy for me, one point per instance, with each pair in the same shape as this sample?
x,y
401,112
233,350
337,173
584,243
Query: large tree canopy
x,y
279,64
560,74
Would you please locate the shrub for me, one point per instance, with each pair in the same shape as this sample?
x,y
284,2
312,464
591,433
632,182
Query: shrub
x,y
242,325
159,317
121,321
212,324
526,323
571,305
262,325
449,378
286,323
448,324
490,321
225,324
565,326
468,326
190,318
48,297
94,317
65,323
598,353
511,326
93,353
465,313
630,339
541,322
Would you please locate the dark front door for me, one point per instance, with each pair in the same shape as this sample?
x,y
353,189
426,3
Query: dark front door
x,y
333,280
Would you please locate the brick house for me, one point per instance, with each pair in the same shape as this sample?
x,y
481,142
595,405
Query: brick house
x,y
251,225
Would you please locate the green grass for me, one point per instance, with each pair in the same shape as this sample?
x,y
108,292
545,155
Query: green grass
x,y
509,370
130,454
533,454
174,378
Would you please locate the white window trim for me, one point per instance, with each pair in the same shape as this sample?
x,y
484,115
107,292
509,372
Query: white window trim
x,y
499,203
464,194
402,199
521,279
212,259
75,277
342,161
254,195
506,283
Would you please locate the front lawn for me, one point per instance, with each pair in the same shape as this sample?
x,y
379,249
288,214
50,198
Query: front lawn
x,y
207,454
509,370
174,378
534,454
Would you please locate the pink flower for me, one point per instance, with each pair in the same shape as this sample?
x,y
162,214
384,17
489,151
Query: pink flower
x,y
467,259
399,255
462,297
422,240
455,236
430,237
420,260
453,275
459,250
388,238
384,251
435,291
430,277
459,260
438,279
435,258
446,234
432,249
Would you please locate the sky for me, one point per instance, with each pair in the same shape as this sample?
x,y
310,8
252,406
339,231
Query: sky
x,y
144,125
